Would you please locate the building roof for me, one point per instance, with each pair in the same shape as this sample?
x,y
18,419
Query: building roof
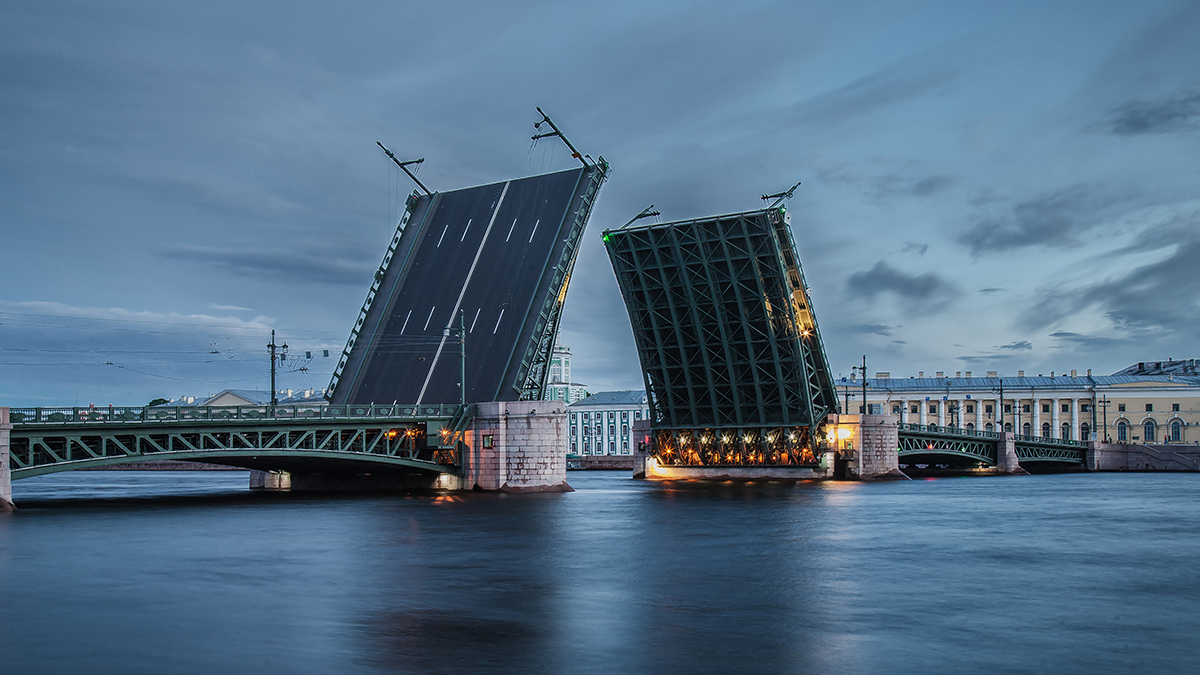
x,y
1015,384
626,397
254,396
1168,367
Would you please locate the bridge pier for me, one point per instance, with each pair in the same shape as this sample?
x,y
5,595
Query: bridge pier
x,y
870,445
376,482
6,504
517,446
1006,455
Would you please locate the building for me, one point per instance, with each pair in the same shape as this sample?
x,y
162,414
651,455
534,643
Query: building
x,y
602,424
1123,408
252,397
559,386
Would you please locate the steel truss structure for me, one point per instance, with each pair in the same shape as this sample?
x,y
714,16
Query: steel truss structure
x,y
981,446
384,439
731,355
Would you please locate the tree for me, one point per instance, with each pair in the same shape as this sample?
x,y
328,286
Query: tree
x,y
158,401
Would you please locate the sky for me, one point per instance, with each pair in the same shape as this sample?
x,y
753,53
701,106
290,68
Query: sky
x,y
985,186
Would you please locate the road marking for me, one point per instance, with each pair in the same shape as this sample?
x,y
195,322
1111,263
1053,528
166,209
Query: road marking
x,y
465,230
498,321
535,224
429,317
475,319
511,229
405,322
466,282
443,236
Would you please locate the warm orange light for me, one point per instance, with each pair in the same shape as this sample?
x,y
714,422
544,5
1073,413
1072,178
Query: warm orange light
x,y
843,433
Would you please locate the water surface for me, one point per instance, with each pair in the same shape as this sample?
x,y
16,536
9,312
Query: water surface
x,y
189,572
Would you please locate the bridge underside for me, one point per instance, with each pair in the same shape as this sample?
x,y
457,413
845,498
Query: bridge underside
x,y
268,460
967,448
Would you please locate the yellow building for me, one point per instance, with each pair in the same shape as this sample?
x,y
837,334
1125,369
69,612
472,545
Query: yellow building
x,y
1151,402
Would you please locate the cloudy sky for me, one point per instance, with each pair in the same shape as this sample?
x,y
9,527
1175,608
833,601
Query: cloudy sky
x,y
986,186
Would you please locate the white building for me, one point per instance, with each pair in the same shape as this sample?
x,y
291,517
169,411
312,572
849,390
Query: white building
x,y
602,424
1130,406
559,387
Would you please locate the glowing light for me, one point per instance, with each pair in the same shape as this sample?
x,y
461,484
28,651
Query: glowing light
x,y
843,433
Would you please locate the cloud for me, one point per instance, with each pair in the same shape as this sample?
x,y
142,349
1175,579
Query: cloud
x,y
1171,114
229,308
1055,219
919,248
1086,342
1017,346
931,185
323,266
1163,296
869,329
989,291
893,84
927,291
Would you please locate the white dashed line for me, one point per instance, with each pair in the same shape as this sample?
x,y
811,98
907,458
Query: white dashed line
x,y
498,322
429,317
535,224
406,318
475,319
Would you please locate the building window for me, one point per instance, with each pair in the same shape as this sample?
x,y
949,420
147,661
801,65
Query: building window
x,y
1025,408
1150,432
574,417
611,416
1008,407
573,430
1045,430
1085,432
1066,431
1174,407
488,440
1045,407
971,426
1176,430
970,408
1120,407
1085,407
895,410
913,409
1122,431
637,414
1149,407
612,447
1066,407
599,430
624,415
574,448
624,429
625,446
1025,429
988,409
1008,427
987,427
933,409
612,430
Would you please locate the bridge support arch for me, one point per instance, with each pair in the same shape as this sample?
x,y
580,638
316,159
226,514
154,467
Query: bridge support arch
x,y
6,504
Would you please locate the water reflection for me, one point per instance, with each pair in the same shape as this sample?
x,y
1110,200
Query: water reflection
x,y
151,573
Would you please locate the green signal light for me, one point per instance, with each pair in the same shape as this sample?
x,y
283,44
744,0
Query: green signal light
x,y
604,237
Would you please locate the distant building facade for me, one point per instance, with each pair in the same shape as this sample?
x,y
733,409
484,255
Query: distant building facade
x,y
252,397
602,424
559,387
1151,402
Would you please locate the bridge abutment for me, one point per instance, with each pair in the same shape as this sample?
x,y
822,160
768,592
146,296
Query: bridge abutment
x,y
870,445
6,504
1006,455
517,446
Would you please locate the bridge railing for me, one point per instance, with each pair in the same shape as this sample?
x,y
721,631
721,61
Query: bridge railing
x,y
157,414
957,431
1047,440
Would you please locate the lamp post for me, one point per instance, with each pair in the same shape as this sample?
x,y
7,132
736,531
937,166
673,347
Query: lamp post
x,y
271,346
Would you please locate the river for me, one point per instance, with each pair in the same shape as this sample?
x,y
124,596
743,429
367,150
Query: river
x,y
189,572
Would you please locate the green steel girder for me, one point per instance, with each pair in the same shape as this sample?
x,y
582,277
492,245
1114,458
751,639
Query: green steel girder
x,y
389,441
979,449
1047,452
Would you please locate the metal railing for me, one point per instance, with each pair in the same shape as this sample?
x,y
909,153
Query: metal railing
x,y
159,414
975,433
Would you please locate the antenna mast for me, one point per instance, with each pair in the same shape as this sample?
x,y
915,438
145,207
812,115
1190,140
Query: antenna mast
x,y
404,165
557,132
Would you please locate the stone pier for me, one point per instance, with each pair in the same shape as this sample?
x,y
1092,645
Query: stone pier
x,y
517,447
1129,457
870,444
1006,455
6,504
